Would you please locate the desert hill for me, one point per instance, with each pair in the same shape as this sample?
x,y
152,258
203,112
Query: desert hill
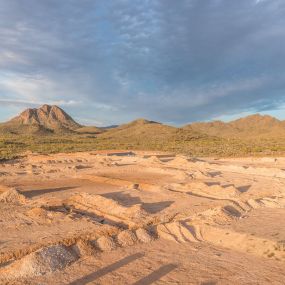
x,y
139,129
248,127
46,119
49,129
52,119
144,134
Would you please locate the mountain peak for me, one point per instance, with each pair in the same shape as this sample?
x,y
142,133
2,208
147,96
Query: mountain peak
x,y
257,117
255,125
142,121
46,108
256,121
47,116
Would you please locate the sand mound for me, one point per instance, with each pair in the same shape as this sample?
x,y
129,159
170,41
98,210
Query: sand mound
x,y
204,190
179,161
44,216
250,170
253,203
4,188
218,215
136,212
38,212
143,235
268,202
197,174
214,191
109,208
152,160
104,161
84,248
179,232
182,175
106,243
43,261
242,242
12,196
127,238
272,202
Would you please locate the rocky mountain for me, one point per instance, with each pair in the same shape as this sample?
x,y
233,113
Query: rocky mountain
x,y
44,119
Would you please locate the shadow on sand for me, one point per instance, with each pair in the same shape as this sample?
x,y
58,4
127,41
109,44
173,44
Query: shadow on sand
x,y
34,193
156,275
103,271
128,200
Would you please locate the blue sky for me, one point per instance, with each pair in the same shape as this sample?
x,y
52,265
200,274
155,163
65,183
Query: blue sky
x,y
111,61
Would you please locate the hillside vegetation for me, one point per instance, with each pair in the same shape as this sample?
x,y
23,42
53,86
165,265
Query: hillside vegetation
x,y
49,130
251,127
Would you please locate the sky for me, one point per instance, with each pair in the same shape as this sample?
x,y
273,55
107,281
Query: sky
x,y
112,61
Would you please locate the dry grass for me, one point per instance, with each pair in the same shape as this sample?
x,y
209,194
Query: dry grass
x,y
178,141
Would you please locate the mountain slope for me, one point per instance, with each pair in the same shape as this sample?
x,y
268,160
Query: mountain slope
x,y
144,134
45,119
252,126
247,136
139,128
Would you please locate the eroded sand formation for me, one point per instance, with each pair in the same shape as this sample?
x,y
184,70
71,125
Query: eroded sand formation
x,y
141,218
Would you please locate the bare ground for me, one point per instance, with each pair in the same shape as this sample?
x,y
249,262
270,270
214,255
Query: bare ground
x,y
141,218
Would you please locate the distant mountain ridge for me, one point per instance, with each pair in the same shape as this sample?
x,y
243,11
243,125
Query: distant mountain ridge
x,y
251,126
52,119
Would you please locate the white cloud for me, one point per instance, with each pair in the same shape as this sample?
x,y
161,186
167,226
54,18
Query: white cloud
x,y
25,86
197,97
10,57
20,102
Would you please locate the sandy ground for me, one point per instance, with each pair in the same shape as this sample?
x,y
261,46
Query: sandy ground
x,y
141,218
